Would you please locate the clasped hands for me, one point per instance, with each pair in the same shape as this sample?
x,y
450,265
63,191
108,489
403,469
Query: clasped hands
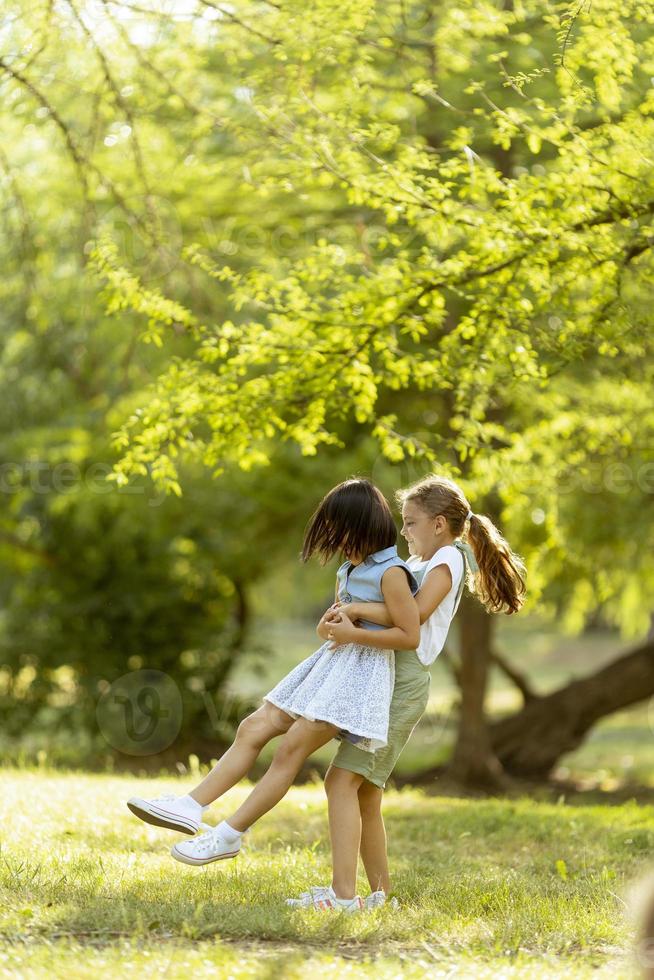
x,y
337,624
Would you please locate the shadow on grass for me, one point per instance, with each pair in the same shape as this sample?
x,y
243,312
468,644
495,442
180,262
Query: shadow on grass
x,y
438,782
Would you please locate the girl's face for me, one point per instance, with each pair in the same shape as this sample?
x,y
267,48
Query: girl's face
x,y
421,531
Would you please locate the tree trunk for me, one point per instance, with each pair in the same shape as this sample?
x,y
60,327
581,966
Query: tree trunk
x,y
474,762
241,614
530,742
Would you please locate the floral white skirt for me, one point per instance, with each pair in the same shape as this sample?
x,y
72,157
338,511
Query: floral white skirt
x,y
350,685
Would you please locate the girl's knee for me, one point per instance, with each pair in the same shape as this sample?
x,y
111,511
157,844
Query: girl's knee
x,y
264,724
341,780
254,730
290,752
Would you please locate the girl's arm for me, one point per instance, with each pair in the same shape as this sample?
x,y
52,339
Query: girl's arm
x,y
404,632
435,586
375,612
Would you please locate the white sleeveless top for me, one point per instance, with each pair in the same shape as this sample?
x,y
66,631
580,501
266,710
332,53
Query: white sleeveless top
x,y
433,631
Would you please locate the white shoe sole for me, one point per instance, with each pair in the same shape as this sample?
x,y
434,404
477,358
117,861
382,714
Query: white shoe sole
x,y
179,856
145,810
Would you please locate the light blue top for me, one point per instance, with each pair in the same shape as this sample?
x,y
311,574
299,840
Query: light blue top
x,y
362,582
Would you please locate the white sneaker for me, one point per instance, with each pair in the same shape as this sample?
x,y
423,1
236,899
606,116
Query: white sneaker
x,y
206,848
305,899
327,902
170,811
377,899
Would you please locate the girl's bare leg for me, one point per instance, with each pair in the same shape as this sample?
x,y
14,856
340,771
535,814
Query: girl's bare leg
x,y
302,738
373,837
342,787
253,733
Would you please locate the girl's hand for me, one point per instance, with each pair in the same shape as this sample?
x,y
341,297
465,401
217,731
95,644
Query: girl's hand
x,y
330,615
324,624
350,609
341,630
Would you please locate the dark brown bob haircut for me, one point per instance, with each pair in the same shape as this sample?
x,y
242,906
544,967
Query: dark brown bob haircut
x,y
354,517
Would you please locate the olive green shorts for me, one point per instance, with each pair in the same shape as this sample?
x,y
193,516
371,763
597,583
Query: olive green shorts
x,y
408,704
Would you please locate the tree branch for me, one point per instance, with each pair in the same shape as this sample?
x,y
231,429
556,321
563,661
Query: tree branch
x,y
521,682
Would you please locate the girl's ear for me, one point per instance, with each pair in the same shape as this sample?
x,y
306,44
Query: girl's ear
x,y
440,523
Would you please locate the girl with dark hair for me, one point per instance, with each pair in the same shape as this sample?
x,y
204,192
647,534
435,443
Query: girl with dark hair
x,y
342,690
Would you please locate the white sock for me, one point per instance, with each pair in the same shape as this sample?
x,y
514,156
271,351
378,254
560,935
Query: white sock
x,y
189,799
230,835
341,901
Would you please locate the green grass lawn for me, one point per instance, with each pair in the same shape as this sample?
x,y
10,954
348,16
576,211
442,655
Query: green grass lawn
x,y
488,888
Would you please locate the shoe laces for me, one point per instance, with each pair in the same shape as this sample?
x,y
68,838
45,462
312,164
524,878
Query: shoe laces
x,y
325,898
376,899
306,898
206,842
